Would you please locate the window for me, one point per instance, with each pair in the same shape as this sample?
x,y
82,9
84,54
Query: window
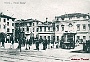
x,y
12,19
78,27
40,29
48,28
78,37
89,26
30,23
37,23
23,29
53,28
33,24
37,29
84,37
84,27
12,24
7,19
44,37
7,29
44,29
62,28
33,29
12,30
7,23
4,20
57,27
57,38
48,37
27,28
53,38
4,26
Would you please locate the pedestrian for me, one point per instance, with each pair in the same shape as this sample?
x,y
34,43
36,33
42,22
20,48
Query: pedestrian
x,y
48,43
24,40
12,41
84,44
62,41
3,41
44,43
77,42
27,44
37,43
30,42
40,40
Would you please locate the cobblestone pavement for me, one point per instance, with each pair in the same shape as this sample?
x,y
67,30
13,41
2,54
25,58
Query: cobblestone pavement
x,y
49,55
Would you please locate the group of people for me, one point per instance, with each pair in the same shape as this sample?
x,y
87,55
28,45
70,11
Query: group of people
x,y
37,42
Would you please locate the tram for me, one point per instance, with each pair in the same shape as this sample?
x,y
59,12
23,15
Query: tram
x,y
68,41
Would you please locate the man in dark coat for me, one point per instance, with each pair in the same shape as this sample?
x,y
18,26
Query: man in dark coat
x,y
37,43
44,44
3,41
12,41
40,40
48,43
30,42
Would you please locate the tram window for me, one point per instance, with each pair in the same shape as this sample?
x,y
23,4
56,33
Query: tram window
x,y
69,37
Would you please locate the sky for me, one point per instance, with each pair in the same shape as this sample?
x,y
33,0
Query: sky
x,y
40,9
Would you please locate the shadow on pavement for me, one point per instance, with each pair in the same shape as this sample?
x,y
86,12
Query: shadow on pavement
x,y
79,51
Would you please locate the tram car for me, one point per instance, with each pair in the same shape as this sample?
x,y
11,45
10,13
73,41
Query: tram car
x,y
68,41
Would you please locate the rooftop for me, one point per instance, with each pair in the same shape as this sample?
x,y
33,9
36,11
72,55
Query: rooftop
x,y
73,15
5,16
28,20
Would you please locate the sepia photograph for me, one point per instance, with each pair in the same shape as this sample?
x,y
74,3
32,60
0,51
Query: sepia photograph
x,y
44,30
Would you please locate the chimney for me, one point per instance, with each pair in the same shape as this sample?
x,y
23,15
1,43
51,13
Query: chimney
x,y
46,19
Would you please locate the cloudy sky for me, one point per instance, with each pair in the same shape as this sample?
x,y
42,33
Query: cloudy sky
x,y
40,9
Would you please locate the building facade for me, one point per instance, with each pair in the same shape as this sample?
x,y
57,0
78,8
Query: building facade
x,y
29,27
7,25
46,30
68,23
75,23
34,28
